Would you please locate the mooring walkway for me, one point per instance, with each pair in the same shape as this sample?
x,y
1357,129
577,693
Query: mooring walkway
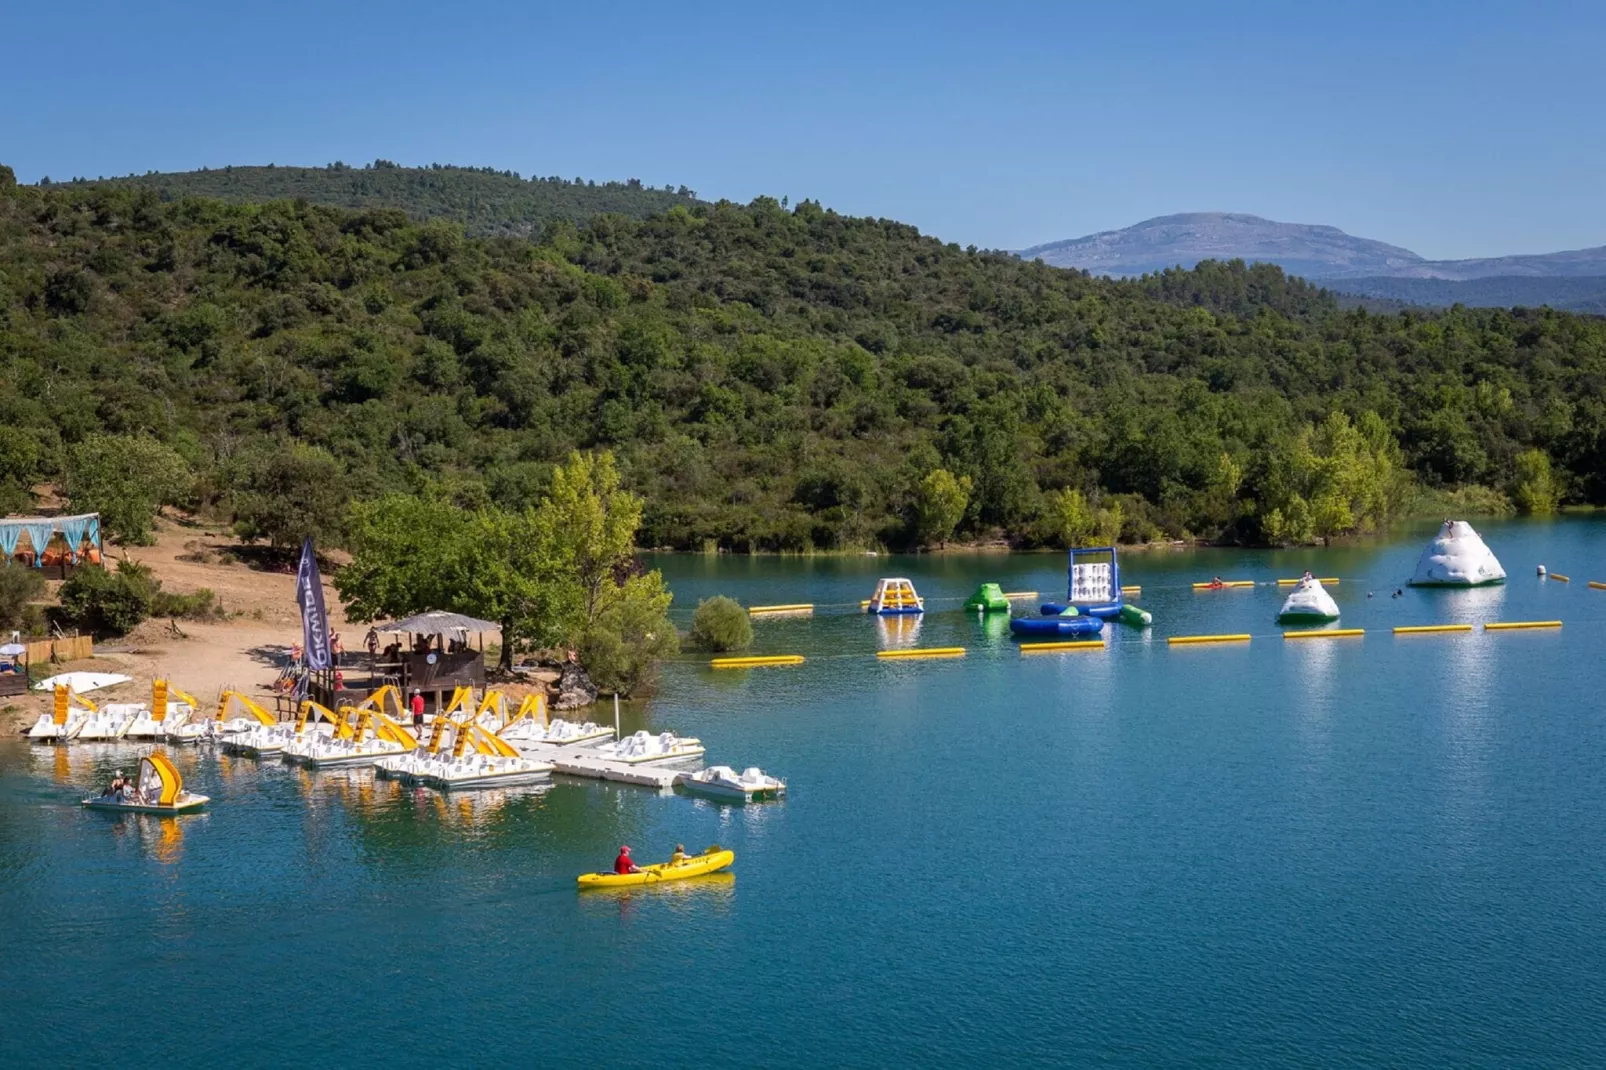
x,y
585,762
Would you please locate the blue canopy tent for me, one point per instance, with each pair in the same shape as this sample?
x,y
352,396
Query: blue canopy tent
x,y
29,539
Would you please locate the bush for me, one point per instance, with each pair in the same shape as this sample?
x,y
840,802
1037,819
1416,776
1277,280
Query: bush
x,y
19,586
621,651
200,605
108,603
720,624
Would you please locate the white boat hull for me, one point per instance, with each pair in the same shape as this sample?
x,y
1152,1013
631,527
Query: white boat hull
x,y
335,761
186,803
489,780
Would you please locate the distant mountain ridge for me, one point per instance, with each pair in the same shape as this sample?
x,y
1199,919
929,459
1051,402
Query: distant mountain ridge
x,y
487,202
1333,258
1166,241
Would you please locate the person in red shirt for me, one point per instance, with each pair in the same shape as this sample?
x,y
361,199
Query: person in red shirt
x,y
623,863
418,711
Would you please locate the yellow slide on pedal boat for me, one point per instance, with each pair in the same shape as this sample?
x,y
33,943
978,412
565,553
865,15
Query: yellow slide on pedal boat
x,y
710,861
159,789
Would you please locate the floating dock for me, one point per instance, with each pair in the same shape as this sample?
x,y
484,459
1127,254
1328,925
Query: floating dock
x,y
1326,633
1051,648
584,762
756,662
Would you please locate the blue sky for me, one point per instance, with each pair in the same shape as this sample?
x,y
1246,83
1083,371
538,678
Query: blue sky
x,y
1454,129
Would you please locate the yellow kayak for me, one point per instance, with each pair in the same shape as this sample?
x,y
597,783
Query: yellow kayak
x,y
710,861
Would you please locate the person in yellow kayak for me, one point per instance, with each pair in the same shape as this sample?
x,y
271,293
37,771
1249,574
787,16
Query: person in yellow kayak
x,y
679,856
624,863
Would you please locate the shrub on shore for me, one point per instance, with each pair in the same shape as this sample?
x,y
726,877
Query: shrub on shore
x,y
720,624
19,586
107,602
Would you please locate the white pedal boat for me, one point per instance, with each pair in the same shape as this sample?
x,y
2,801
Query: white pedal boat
x,y
46,730
265,742
145,726
557,733
411,767
238,714
483,771
723,782
159,789
111,721
321,751
642,748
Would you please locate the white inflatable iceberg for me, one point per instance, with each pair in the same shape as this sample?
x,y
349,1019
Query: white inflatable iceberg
x,y
1309,601
1457,557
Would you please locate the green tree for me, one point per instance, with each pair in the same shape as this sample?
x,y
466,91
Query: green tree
x,y
1533,487
622,648
720,624
406,558
125,478
940,503
285,492
594,520
1070,521
411,555
20,455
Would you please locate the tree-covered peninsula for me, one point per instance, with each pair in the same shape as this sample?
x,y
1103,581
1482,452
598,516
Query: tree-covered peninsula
x,y
768,378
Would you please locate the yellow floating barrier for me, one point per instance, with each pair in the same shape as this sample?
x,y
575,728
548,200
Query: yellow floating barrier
x,y
1329,633
1515,625
1597,585
801,607
1424,629
1133,589
756,662
1211,585
1324,580
1049,648
1020,594
1182,640
924,652
1559,578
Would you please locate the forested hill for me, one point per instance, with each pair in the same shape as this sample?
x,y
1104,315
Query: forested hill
x,y
483,200
768,378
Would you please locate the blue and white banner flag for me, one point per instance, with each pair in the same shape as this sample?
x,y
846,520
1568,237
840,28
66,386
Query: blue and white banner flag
x,y
314,621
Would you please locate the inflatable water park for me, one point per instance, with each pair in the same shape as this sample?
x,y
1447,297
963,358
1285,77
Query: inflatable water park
x,y
1457,557
1308,603
1093,595
1096,594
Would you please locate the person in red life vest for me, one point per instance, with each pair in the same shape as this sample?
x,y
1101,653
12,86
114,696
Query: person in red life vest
x,y
623,863
418,711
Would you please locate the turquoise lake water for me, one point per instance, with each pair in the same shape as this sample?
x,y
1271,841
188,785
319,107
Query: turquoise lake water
x,y
1353,852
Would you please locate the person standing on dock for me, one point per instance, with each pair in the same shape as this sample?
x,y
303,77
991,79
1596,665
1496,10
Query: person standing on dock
x,y
418,713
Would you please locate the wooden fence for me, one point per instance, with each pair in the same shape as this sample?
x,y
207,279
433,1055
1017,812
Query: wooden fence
x,y
68,648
